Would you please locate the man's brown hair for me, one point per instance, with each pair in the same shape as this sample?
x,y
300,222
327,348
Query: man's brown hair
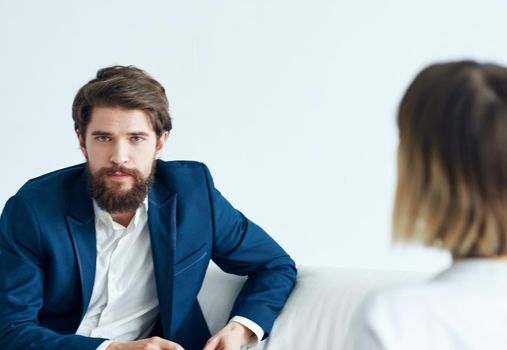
x,y
452,160
126,87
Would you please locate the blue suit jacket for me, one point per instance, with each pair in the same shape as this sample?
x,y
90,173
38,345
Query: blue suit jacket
x,y
48,254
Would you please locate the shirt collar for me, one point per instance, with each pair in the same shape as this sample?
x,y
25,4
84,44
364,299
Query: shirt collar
x,y
478,273
104,217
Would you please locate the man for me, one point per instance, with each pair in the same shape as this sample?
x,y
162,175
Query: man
x,y
112,253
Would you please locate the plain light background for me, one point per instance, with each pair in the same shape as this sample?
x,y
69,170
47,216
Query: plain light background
x,y
290,103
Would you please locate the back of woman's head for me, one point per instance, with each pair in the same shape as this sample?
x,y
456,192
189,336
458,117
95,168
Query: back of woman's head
x,y
452,160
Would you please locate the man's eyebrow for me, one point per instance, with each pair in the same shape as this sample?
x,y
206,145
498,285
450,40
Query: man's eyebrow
x,y
139,133
99,132
106,133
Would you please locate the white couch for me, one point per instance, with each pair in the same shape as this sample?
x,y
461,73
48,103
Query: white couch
x,y
318,312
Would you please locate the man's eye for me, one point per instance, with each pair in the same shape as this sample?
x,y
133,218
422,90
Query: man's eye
x,y
136,139
103,138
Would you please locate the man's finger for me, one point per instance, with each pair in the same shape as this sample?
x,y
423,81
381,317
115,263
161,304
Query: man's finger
x,y
212,343
165,344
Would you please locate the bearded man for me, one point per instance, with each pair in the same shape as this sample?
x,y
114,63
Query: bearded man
x,y
111,254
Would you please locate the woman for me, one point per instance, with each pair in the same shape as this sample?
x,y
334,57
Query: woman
x,y
452,194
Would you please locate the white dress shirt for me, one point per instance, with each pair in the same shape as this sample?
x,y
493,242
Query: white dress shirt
x,y
462,308
124,303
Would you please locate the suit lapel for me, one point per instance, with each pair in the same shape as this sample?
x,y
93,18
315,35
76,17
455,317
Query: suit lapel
x,y
81,223
162,224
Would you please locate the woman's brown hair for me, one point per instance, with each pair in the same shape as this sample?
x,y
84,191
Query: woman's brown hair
x,y
452,160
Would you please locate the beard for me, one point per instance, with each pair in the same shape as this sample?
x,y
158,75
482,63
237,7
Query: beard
x,y
112,198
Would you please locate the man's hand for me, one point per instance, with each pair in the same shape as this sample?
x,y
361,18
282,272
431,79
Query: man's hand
x,y
153,343
232,337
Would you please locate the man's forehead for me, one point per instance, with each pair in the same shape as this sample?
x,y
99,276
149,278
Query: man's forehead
x,y
117,119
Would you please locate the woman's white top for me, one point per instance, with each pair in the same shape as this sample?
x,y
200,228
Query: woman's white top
x,y
462,308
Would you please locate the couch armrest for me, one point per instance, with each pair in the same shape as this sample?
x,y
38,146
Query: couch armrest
x,y
319,310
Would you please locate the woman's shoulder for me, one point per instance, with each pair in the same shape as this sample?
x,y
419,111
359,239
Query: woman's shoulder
x,y
391,316
439,311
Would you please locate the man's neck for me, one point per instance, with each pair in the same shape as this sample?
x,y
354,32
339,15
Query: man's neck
x,y
123,218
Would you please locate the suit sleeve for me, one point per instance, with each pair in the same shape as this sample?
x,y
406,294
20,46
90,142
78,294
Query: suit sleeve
x,y
22,268
243,248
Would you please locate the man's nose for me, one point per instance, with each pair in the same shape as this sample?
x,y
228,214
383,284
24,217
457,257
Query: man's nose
x,y
120,153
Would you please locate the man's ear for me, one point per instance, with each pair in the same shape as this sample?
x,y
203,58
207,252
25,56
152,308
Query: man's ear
x,y
161,143
82,143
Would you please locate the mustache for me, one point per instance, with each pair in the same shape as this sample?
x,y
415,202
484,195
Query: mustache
x,y
118,169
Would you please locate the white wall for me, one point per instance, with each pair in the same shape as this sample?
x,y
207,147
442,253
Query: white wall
x,y
291,103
